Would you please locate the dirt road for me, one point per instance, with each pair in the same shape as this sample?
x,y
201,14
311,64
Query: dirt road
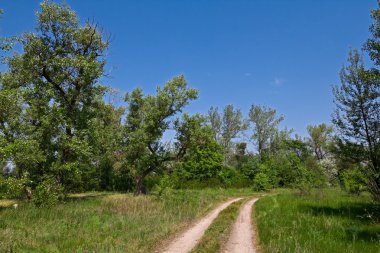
x,y
241,238
189,239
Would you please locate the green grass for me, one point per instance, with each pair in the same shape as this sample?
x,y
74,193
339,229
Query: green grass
x,y
329,222
105,222
217,234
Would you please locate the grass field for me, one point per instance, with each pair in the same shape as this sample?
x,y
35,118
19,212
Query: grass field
x,y
329,222
105,222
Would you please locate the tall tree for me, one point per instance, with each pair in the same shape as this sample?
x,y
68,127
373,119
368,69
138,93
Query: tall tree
x,y
226,127
16,147
5,43
319,138
265,122
148,117
57,74
202,155
357,114
215,122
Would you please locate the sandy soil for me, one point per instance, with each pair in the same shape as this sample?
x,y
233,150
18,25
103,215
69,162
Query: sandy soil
x,y
186,241
241,238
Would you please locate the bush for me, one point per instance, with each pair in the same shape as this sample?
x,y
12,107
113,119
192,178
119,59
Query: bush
x,y
261,182
354,181
230,177
200,184
13,188
48,193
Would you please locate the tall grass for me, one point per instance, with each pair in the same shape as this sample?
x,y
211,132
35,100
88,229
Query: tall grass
x,y
105,223
329,222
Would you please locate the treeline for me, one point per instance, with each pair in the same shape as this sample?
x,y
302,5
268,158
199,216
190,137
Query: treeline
x,y
58,135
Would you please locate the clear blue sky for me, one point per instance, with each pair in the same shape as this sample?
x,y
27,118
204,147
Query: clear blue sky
x,y
282,54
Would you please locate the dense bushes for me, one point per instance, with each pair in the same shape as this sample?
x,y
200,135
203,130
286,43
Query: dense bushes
x,y
13,188
48,193
354,181
261,182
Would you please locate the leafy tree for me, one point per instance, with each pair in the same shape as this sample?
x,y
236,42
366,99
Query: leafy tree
x,y
261,182
107,154
320,136
357,114
56,83
204,156
215,122
148,117
5,43
227,127
265,122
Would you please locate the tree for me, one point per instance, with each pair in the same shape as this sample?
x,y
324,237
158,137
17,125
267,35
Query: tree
x,y
5,43
227,127
215,122
107,154
57,77
148,117
357,114
202,155
265,122
320,136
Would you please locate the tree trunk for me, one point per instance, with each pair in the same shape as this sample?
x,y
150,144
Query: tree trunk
x,y
140,187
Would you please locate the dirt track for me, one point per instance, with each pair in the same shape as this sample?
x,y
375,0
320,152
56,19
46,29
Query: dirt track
x,y
241,238
186,241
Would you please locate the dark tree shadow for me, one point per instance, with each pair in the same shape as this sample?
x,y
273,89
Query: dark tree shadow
x,y
368,214
368,234
363,212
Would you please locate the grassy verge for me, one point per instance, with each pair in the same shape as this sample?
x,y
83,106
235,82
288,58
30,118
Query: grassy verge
x,y
105,222
218,232
329,222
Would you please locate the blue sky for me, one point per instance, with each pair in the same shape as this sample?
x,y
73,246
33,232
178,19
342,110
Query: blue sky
x,y
282,54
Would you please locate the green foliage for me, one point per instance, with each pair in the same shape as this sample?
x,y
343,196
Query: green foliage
x,y
13,188
261,182
48,193
52,95
320,139
265,122
249,166
204,156
164,186
354,181
226,127
231,177
147,119
357,114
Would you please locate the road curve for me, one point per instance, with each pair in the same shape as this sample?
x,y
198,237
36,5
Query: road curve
x,y
186,241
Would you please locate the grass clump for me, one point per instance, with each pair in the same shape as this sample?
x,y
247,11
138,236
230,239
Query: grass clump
x,y
217,234
329,222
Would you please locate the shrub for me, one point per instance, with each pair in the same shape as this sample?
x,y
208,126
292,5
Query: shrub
x,y
230,177
164,185
13,188
261,182
354,181
48,193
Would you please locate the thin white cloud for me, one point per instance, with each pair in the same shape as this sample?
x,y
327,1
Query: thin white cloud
x,y
247,74
278,82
